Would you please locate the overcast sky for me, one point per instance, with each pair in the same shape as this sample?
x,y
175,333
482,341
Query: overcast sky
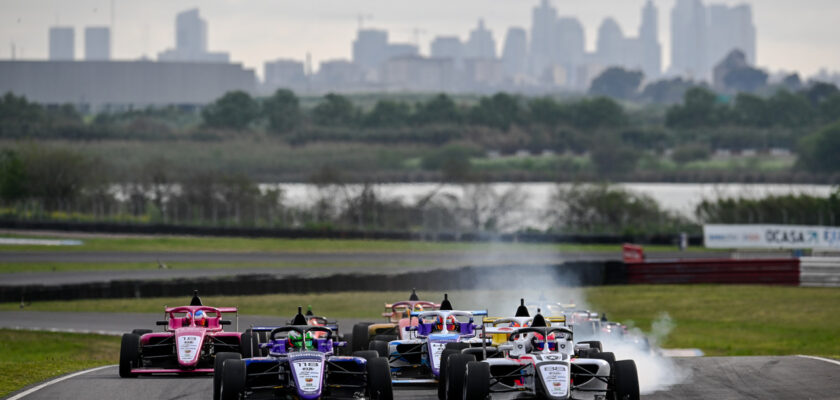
x,y
801,35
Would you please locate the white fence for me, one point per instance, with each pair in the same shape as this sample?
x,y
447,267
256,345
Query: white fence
x,y
819,271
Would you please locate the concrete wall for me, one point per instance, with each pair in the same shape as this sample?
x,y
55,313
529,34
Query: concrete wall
x,y
96,85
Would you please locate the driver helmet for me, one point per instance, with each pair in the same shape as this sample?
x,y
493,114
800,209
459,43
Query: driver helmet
x,y
200,318
187,319
296,341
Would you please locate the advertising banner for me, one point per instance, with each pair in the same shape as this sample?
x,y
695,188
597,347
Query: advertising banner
x,y
771,237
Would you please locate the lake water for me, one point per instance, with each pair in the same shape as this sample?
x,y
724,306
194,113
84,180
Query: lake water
x,y
682,198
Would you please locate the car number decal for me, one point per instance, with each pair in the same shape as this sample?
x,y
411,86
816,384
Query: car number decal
x,y
188,348
555,379
437,350
308,375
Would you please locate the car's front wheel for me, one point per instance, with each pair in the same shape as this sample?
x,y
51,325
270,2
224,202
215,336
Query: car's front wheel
x,y
379,379
626,380
129,354
218,363
233,380
477,381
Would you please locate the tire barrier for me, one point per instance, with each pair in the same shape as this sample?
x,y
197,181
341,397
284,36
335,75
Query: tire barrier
x,y
819,271
495,277
280,233
784,271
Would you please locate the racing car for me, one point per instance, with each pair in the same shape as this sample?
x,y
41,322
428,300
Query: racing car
x,y
540,361
398,317
260,334
415,358
191,338
302,363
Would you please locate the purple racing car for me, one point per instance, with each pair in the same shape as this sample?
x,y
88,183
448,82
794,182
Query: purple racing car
x,y
302,363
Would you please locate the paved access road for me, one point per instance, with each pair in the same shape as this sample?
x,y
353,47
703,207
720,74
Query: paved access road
x,y
779,378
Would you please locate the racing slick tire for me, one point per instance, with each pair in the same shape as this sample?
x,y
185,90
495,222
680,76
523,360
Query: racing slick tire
x,y
444,358
261,337
379,379
249,345
594,344
361,336
366,354
385,338
347,349
141,332
217,370
129,354
455,371
477,381
380,347
233,380
626,380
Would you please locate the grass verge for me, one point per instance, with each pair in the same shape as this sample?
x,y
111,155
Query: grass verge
x,y
720,320
30,357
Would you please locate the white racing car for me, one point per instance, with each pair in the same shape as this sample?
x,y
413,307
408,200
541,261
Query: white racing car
x,y
539,361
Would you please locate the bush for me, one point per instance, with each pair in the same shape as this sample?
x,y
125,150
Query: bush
x,y
691,152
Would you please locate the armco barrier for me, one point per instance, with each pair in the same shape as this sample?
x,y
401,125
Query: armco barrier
x,y
783,271
819,271
496,277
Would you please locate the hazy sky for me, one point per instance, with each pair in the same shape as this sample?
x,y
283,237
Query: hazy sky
x,y
799,35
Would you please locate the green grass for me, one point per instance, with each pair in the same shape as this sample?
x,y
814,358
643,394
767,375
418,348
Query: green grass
x,y
720,320
224,244
10,268
30,357
733,320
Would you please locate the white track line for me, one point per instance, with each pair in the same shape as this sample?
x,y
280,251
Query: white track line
x,y
828,360
56,380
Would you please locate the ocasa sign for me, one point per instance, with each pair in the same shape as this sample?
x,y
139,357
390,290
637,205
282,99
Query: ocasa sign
x,y
771,237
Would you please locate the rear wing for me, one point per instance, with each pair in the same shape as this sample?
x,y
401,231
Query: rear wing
x,y
476,313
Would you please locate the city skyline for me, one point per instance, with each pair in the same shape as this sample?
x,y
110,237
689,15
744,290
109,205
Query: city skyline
x,y
338,27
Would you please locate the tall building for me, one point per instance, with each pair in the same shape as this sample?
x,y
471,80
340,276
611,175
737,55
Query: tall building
x,y
62,43
688,40
649,42
611,44
481,43
370,49
449,47
570,42
515,52
395,50
543,49
730,28
97,43
284,73
191,41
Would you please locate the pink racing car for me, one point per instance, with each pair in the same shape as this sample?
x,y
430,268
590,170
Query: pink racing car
x,y
192,337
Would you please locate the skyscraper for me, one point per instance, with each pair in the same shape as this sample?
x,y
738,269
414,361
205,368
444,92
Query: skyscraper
x,y
570,42
97,43
448,47
515,52
191,40
688,40
370,49
62,43
649,42
730,28
611,46
543,49
481,43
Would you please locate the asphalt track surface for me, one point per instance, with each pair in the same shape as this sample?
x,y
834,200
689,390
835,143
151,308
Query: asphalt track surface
x,y
331,263
788,377
780,378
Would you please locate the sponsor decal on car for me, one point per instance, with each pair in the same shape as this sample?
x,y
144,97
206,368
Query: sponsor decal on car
x,y
556,379
188,348
308,375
